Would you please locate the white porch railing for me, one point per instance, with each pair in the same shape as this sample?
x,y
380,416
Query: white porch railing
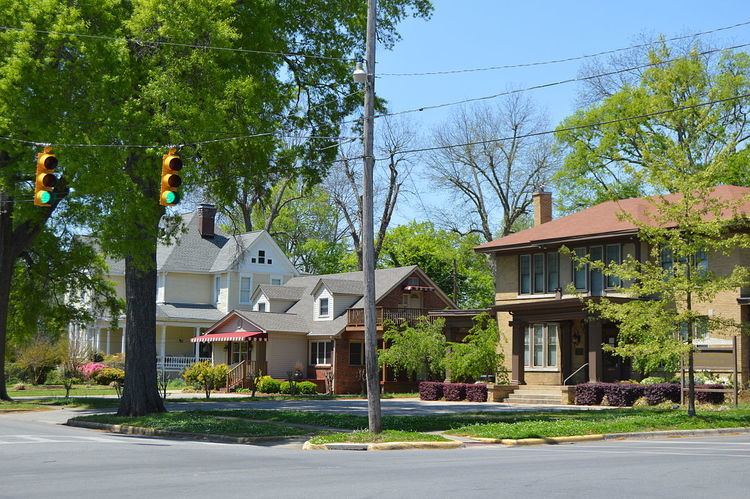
x,y
172,363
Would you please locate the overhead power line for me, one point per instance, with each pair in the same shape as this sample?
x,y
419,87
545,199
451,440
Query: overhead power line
x,y
567,59
141,41
547,85
572,128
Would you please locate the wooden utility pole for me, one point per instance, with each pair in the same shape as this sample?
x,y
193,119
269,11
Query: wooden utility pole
x,y
368,235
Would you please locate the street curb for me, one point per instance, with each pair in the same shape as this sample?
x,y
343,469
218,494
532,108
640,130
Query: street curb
x,y
610,436
383,446
153,432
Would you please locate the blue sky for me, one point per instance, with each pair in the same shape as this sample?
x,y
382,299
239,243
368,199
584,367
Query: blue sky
x,y
476,33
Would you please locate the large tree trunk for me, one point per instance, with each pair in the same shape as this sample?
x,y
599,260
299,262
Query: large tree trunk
x,y
6,275
141,394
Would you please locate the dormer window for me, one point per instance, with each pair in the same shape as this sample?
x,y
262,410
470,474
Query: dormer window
x,y
261,307
323,307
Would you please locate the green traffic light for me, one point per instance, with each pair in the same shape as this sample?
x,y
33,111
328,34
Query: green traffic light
x,y
44,197
172,197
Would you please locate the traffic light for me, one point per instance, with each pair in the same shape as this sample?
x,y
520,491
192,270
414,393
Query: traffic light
x,y
171,165
45,179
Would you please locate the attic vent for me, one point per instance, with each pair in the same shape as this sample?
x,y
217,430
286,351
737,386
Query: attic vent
x,y
413,281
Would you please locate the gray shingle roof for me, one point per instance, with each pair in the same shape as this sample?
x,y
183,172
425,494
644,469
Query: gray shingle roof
x,y
342,286
287,323
232,250
188,311
288,293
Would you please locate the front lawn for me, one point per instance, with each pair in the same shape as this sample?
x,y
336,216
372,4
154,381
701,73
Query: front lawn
x,y
199,422
366,437
59,391
40,404
620,422
14,406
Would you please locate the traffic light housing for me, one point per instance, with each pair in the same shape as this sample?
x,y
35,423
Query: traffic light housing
x,y
45,180
171,165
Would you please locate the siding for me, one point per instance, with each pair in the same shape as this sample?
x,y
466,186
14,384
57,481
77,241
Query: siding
x,y
188,288
283,352
323,293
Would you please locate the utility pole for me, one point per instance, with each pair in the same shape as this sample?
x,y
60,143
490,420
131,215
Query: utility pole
x,y
368,236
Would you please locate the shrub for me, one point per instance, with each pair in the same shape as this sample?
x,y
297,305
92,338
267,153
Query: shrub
x,y
430,390
710,397
269,385
653,380
109,375
54,377
39,358
19,387
454,391
287,386
622,394
589,393
90,369
206,376
662,392
476,392
307,388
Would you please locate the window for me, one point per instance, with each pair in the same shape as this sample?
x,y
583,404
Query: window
x,y
700,330
524,270
413,281
580,272
252,260
356,353
262,306
553,272
539,273
246,284
275,281
613,256
540,346
239,352
700,261
270,261
261,256
320,353
323,307
217,288
596,278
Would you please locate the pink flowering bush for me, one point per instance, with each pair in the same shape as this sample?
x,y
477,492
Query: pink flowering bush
x,y
90,369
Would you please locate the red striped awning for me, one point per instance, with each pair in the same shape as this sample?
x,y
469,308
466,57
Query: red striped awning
x,y
235,336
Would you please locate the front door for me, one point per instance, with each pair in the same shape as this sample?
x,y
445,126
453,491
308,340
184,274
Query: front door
x,y
614,367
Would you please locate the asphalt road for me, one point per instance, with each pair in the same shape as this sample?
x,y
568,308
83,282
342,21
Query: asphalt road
x,y
40,458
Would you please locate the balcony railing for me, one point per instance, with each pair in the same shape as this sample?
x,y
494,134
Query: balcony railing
x,y
174,363
356,316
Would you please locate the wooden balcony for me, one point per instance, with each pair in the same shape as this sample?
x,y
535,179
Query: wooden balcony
x,y
356,316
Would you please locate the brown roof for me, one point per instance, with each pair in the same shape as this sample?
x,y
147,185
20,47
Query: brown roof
x,y
601,220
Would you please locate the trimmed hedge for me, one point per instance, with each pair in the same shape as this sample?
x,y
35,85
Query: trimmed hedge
x,y
710,397
589,393
430,390
435,390
454,392
618,394
269,385
476,392
662,392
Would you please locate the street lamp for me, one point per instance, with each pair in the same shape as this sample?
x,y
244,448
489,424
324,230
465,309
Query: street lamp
x,y
360,75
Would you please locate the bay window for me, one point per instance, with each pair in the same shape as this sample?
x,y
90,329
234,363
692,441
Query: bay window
x,y
540,346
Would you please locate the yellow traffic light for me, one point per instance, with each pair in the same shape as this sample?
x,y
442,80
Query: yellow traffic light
x,y
171,164
45,179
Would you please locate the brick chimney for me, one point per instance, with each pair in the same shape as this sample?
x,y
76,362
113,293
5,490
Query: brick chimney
x,y
206,220
542,207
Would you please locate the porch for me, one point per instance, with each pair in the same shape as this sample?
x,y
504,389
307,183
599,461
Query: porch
x,y
356,316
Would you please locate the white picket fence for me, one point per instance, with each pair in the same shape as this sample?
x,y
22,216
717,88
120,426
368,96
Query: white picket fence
x,y
172,363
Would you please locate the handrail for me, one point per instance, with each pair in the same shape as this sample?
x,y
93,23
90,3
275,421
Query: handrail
x,y
576,372
233,376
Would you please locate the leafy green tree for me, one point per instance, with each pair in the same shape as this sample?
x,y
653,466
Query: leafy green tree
x,y
614,160
477,354
685,232
447,257
416,349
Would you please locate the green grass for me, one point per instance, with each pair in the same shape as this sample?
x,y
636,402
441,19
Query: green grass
x,y
59,391
14,406
39,404
197,422
635,421
361,437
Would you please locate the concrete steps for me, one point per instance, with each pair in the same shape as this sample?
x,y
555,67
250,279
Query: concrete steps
x,y
535,394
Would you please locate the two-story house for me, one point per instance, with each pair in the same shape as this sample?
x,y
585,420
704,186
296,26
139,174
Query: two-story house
x,y
202,275
315,325
548,337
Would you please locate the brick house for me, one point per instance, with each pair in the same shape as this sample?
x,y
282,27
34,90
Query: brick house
x,y
548,337
315,324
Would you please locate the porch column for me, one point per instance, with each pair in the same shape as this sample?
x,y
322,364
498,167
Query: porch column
x,y
122,340
109,337
197,345
162,342
517,361
595,350
97,338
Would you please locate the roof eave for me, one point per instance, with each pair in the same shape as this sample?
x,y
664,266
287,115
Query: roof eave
x,y
540,243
